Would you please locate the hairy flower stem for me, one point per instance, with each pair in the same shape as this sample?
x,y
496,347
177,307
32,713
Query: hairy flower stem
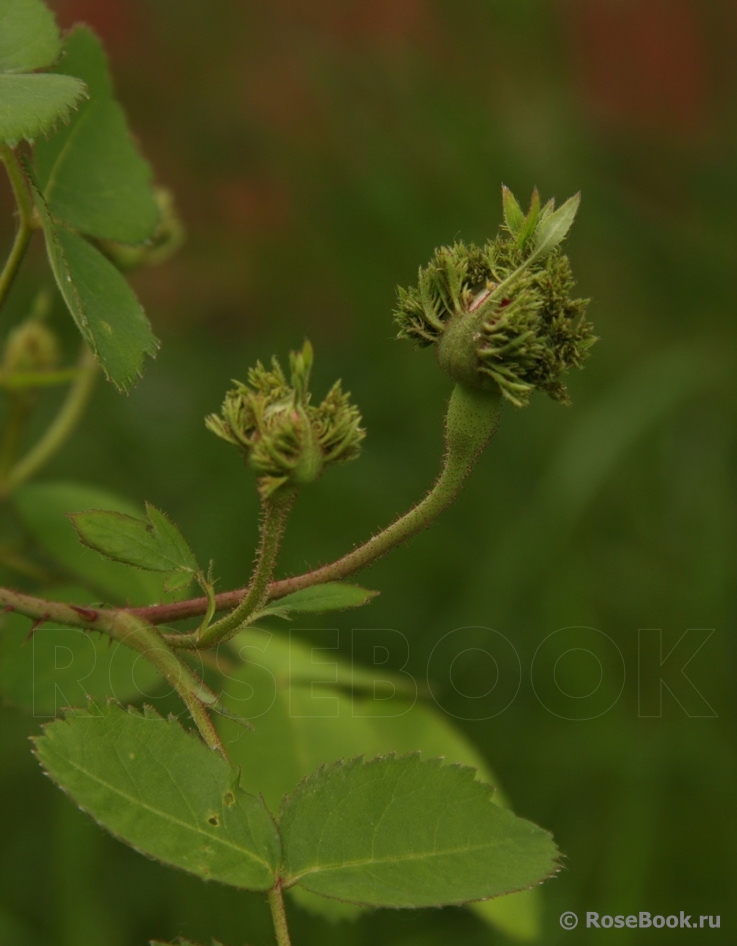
x,y
471,420
275,509
25,220
134,633
279,916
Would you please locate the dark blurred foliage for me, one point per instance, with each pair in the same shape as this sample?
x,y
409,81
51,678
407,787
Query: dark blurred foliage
x,y
319,150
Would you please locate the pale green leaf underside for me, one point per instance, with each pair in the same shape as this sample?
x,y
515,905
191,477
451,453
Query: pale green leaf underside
x,y
43,508
401,832
163,792
331,596
29,38
154,544
288,659
101,302
31,105
91,173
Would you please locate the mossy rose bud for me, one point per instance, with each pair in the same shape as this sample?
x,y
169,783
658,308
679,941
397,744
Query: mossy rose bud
x,y
501,316
284,438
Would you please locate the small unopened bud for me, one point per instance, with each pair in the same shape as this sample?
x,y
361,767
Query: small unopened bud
x,y
501,316
284,438
30,347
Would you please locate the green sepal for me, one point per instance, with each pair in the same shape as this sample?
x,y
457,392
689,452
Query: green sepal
x,y
514,217
554,226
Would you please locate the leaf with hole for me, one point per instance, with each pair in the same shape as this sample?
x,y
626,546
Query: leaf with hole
x,y
402,832
163,792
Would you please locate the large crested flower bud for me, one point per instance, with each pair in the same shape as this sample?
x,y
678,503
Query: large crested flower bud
x,y
501,316
284,438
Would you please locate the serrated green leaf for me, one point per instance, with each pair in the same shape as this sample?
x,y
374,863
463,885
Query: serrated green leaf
x,y
29,38
91,174
331,596
105,308
513,215
402,832
154,544
43,508
62,666
31,105
555,224
308,724
163,792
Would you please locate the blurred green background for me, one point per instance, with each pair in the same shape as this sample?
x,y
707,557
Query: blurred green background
x,y
319,150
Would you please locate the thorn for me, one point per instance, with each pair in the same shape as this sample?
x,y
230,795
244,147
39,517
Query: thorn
x,y
8,609
87,613
34,627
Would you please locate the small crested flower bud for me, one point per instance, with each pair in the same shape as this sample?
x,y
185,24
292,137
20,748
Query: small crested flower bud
x,y
501,316
30,347
284,438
